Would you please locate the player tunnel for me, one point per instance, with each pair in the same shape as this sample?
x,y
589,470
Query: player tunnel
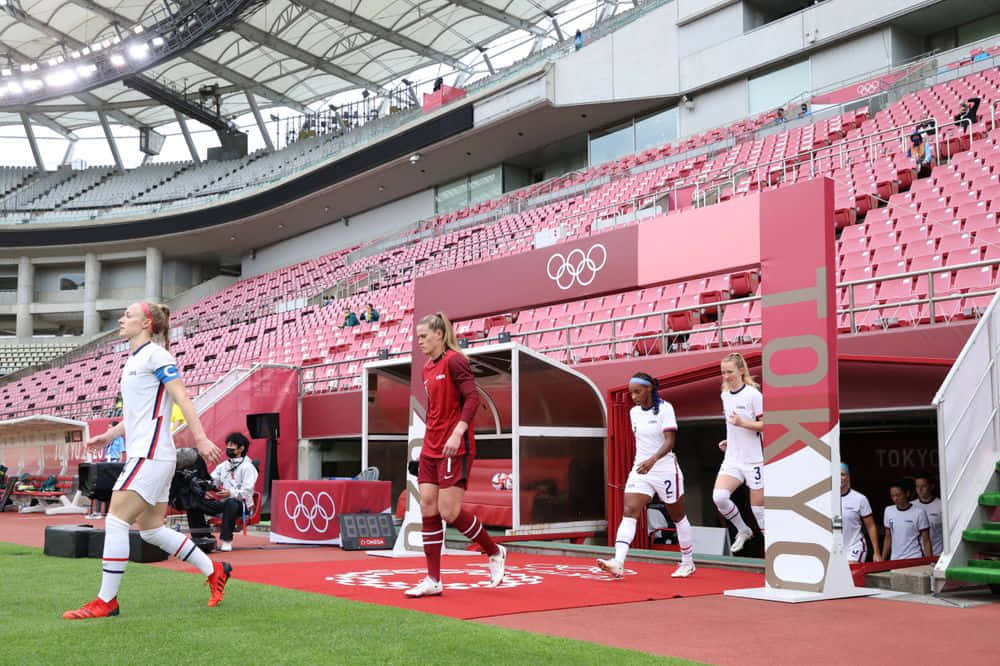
x,y
540,436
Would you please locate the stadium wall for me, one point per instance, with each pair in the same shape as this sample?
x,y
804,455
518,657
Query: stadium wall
x,y
358,229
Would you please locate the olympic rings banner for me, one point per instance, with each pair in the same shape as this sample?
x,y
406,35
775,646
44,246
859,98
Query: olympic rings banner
x,y
307,511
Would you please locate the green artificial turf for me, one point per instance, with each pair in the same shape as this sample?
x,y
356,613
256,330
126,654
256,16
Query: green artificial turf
x,y
164,620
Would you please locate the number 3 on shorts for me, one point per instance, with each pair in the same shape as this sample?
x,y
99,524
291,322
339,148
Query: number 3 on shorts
x,y
756,471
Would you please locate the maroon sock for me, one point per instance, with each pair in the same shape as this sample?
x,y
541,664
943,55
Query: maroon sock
x,y
433,540
469,525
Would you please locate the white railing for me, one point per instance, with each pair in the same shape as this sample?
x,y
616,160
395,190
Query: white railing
x,y
968,425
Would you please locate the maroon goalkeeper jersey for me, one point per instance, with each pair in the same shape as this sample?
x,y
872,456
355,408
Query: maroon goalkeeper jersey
x,y
451,397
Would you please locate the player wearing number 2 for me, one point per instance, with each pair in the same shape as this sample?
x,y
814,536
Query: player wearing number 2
x,y
447,453
655,471
743,408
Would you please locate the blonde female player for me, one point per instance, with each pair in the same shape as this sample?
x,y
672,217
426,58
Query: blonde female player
x,y
150,384
655,471
447,453
743,408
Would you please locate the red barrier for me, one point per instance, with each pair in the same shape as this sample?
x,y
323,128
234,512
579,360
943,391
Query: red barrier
x,y
308,511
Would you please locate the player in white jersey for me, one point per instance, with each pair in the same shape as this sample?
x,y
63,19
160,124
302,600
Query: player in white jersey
x,y
932,507
743,408
654,472
907,532
857,514
150,384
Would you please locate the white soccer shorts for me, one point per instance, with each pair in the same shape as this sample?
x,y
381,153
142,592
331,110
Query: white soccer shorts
x,y
751,474
150,478
666,482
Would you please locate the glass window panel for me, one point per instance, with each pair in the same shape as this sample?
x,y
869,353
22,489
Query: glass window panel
x,y
612,145
656,130
775,88
560,478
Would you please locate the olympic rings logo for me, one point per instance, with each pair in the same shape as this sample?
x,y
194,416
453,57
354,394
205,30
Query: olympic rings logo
x,y
576,267
869,88
310,512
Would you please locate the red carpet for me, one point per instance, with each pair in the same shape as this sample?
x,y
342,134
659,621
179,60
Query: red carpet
x,y
533,583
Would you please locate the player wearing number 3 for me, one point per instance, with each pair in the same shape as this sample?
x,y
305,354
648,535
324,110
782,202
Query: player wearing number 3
x,y
743,407
447,453
655,471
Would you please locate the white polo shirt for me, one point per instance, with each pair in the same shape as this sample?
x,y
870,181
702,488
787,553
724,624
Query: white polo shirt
x,y
146,405
648,429
906,526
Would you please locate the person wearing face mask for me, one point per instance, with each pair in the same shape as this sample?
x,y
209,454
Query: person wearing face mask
x,y
235,479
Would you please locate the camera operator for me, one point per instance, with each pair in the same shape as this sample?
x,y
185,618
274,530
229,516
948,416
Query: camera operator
x,y
234,481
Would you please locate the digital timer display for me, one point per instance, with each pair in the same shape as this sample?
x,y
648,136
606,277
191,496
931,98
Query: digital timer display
x,y
367,531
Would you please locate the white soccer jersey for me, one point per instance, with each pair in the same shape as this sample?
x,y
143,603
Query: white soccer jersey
x,y
743,446
906,526
933,511
648,429
146,404
855,508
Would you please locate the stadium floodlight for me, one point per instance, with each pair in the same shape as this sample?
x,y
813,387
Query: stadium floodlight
x,y
14,87
138,51
138,29
85,51
32,85
74,54
5,71
86,71
117,59
158,41
61,77
96,46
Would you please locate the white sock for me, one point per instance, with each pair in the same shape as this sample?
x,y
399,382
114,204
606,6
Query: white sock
x,y
115,556
758,514
685,538
626,532
729,510
180,546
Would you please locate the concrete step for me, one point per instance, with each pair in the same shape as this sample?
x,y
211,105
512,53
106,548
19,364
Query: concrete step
x,y
912,580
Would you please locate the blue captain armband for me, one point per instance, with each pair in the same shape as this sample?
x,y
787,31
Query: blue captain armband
x,y
167,373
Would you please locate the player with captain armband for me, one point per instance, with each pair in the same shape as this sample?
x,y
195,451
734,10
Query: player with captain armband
x,y
655,471
743,408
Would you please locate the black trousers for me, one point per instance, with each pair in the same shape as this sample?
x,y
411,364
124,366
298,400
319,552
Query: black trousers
x,y
230,509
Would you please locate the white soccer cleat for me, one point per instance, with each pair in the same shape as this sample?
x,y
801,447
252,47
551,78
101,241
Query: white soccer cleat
x,y
683,571
740,541
498,564
426,588
612,567
226,546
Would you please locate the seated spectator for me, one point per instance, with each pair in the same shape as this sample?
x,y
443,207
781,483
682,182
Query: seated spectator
x,y
804,111
907,531
350,319
235,480
932,507
115,450
438,82
578,40
857,514
920,152
779,116
969,110
370,314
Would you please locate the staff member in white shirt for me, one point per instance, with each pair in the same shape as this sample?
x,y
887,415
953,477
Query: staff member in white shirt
x,y
856,511
236,479
907,532
932,507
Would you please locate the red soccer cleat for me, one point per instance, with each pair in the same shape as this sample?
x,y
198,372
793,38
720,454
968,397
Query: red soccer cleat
x,y
96,608
217,582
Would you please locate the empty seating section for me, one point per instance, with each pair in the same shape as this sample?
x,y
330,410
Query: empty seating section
x,y
891,223
14,357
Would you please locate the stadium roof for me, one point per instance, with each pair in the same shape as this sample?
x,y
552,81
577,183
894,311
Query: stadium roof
x,y
287,53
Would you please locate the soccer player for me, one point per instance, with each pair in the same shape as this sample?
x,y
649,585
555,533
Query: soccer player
x,y
447,453
743,408
655,471
150,384
907,532
856,511
932,507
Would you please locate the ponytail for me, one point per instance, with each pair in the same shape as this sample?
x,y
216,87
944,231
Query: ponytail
x,y
741,366
439,322
655,385
159,316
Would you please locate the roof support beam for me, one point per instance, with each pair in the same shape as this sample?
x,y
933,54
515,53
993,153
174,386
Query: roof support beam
x,y
194,58
112,144
498,15
182,121
255,34
29,132
260,123
350,18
